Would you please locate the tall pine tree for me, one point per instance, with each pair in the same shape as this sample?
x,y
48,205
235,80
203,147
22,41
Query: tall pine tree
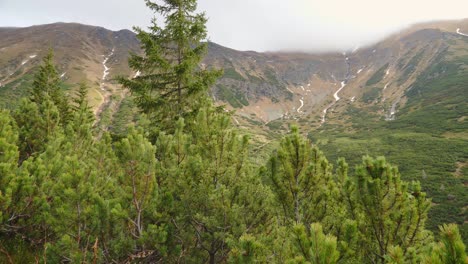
x,y
47,84
46,111
171,84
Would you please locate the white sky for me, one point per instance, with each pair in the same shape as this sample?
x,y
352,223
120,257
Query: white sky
x,y
261,25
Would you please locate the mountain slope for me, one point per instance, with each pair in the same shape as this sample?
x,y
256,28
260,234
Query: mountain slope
x,y
263,86
80,53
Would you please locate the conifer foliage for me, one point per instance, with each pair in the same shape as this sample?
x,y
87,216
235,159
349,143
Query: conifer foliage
x,y
391,211
172,84
46,111
47,86
450,248
302,181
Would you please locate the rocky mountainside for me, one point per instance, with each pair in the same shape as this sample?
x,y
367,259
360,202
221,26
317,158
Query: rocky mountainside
x,y
82,53
262,86
317,86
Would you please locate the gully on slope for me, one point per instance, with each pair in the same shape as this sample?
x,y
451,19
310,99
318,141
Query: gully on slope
x,y
336,94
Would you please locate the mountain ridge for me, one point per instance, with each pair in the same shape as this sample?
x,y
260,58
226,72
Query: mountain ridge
x,y
264,86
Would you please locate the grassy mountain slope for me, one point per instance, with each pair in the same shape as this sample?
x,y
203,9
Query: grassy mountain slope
x,y
80,52
428,139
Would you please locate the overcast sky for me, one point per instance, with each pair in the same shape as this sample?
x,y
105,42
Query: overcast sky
x,y
262,25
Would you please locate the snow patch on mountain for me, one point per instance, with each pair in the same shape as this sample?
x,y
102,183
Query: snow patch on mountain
x,y
325,113
337,98
106,69
302,105
460,33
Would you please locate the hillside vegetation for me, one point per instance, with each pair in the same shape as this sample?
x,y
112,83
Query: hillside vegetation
x,y
428,139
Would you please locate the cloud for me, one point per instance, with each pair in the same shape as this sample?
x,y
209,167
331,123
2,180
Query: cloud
x,y
317,24
307,25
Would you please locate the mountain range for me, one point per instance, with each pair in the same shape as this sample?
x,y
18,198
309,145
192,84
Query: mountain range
x,y
262,86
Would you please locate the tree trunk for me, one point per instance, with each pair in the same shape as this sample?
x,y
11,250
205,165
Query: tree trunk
x,y
212,258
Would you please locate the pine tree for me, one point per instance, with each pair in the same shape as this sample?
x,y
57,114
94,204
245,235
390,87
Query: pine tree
x,y
38,123
307,192
115,242
9,156
73,217
82,115
389,211
248,250
347,232
20,201
450,249
47,84
301,180
171,84
217,198
314,248
46,111
395,256
81,98
75,223
142,200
